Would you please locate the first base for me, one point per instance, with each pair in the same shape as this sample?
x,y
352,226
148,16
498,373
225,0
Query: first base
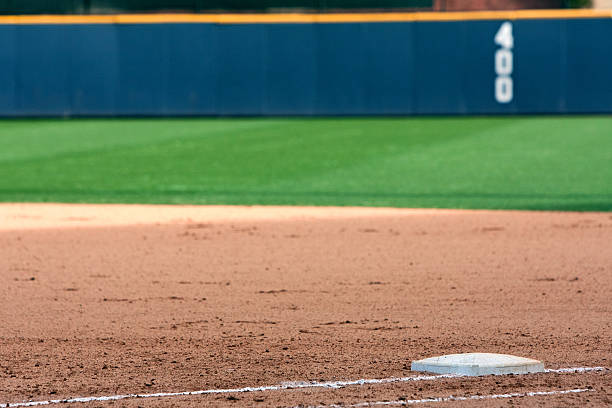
x,y
474,364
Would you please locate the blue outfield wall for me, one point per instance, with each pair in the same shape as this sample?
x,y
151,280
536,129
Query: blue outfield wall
x,y
558,66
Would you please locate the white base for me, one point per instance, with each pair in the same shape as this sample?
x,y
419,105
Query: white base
x,y
474,364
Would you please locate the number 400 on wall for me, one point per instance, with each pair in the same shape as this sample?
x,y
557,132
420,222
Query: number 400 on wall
x,y
503,63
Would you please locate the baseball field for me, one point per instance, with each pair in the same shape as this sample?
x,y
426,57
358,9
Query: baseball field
x,y
527,163
303,262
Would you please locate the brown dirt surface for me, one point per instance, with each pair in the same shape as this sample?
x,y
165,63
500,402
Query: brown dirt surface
x,y
103,300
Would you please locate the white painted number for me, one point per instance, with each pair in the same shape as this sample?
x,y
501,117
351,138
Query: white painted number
x,y
504,91
504,35
503,62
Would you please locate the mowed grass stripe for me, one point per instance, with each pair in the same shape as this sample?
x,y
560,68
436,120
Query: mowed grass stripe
x,y
545,163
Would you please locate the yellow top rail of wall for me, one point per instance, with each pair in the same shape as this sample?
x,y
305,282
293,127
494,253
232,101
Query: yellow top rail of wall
x,y
297,18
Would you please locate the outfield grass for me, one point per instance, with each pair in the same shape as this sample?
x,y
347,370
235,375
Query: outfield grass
x,y
553,163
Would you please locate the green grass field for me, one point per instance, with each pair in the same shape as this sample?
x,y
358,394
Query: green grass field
x,y
543,163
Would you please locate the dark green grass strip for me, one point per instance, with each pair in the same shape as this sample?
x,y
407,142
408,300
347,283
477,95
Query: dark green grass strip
x,y
543,163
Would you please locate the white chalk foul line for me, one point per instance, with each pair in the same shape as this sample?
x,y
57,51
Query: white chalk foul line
x,y
454,398
285,386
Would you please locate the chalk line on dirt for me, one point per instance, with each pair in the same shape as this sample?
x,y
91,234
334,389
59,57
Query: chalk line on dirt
x,y
454,398
280,387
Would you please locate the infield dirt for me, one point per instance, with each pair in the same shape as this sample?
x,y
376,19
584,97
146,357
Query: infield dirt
x,y
102,300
